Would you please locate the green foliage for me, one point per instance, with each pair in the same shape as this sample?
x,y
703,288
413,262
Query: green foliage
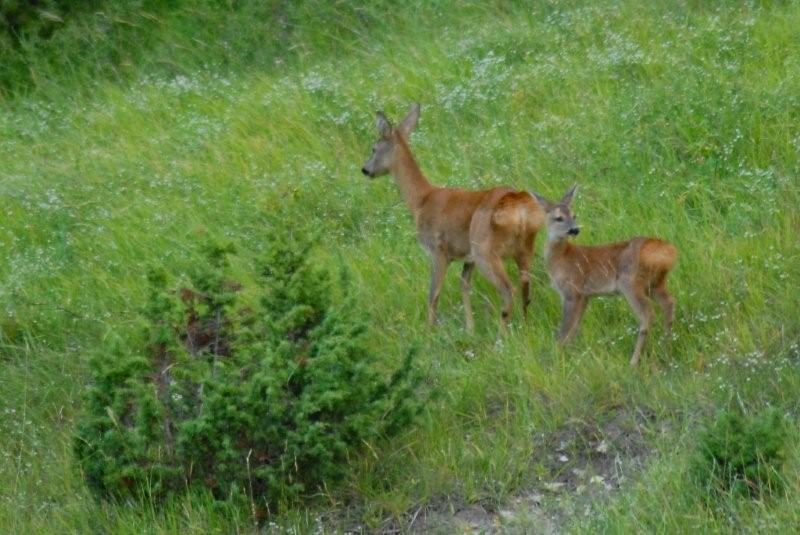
x,y
136,125
742,455
266,400
23,18
107,40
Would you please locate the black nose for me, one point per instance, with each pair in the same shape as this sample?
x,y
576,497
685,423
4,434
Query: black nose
x,y
364,170
574,231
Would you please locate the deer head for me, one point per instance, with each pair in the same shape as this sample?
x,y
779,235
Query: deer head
x,y
383,151
560,220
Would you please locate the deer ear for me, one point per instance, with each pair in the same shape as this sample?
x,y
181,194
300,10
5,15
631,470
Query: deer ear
x,y
567,198
410,121
383,124
546,205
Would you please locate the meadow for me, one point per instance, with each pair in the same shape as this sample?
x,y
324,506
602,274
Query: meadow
x,y
677,119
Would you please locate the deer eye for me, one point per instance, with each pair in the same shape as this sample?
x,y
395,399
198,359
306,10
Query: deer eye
x,y
559,219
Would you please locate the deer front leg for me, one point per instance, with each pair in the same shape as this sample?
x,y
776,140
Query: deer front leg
x,y
438,270
466,275
571,314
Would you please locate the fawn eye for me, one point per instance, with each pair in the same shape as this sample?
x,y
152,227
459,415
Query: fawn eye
x,y
559,219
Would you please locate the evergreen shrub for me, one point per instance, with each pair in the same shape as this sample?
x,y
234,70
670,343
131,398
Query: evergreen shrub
x,y
260,390
741,455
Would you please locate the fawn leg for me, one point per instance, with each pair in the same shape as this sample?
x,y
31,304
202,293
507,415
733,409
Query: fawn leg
x,y
571,314
667,304
643,310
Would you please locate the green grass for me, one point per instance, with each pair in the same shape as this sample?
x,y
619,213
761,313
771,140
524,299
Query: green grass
x,y
677,119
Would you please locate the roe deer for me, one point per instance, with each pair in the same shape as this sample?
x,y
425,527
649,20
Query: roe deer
x,y
636,268
477,227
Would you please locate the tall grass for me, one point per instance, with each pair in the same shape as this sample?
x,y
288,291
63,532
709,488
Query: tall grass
x,y
677,119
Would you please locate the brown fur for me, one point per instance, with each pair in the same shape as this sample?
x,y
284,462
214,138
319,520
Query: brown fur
x,y
480,228
636,268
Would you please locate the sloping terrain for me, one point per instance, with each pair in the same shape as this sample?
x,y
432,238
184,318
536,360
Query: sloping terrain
x,y
676,119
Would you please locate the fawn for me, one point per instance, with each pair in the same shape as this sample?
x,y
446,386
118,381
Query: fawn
x,y
477,227
636,268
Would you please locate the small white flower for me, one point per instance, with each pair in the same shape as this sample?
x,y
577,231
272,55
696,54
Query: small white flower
x,y
555,486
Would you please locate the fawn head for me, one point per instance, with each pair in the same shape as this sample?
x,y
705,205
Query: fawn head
x,y
560,220
383,151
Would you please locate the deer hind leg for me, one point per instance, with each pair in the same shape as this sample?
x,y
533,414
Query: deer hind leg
x,y
438,270
571,314
666,302
466,276
523,265
494,270
641,307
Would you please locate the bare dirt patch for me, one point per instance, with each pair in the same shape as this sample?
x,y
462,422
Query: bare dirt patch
x,y
580,463
599,452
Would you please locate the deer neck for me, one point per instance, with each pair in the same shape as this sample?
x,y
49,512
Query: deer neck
x,y
413,184
556,248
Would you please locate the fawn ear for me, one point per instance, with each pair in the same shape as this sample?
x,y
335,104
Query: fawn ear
x,y
410,121
546,205
383,124
567,198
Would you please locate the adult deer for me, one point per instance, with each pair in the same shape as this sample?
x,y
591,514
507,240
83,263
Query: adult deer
x,y
636,268
480,228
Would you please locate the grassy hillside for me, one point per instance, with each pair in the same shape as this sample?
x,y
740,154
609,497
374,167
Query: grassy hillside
x,y
677,119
